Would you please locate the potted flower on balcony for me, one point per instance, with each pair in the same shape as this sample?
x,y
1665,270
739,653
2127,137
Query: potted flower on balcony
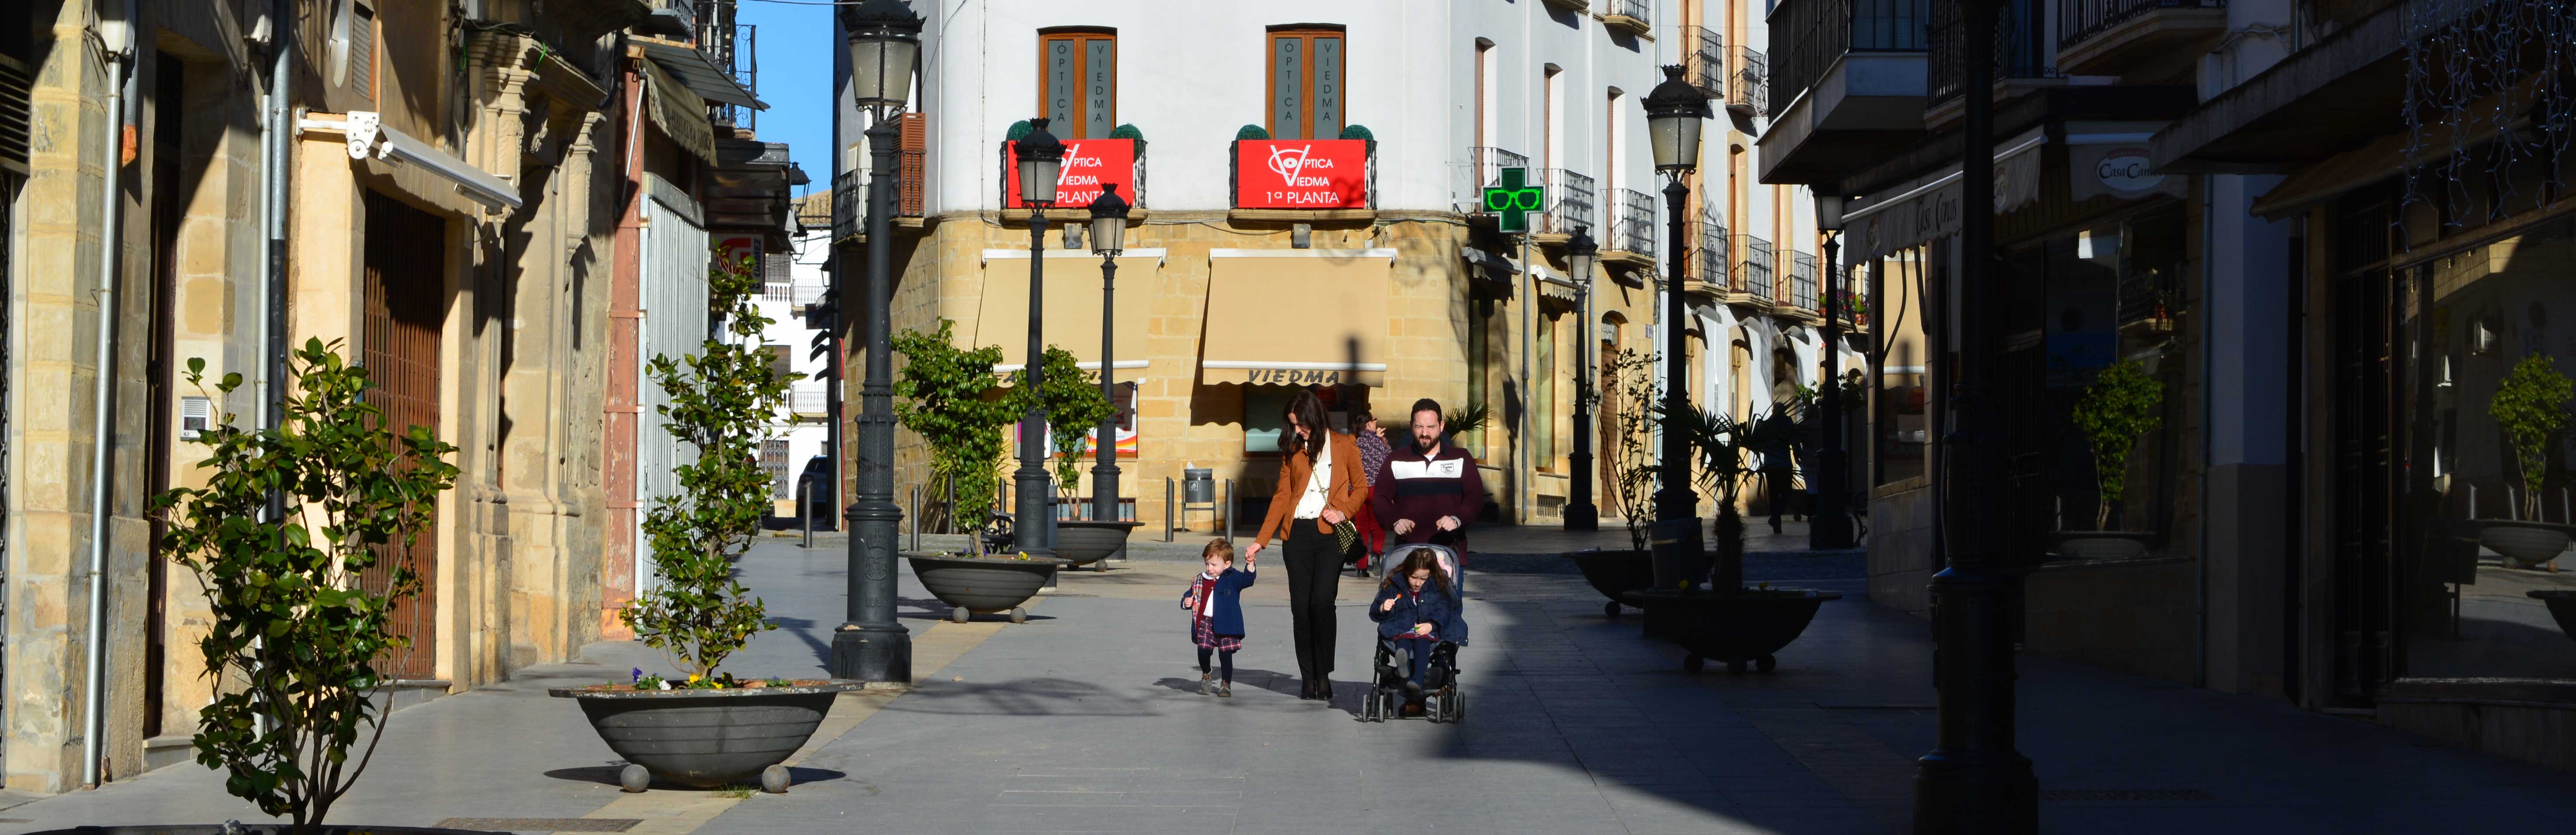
x,y
2123,403
2531,407
947,396
1724,619
709,728
1630,396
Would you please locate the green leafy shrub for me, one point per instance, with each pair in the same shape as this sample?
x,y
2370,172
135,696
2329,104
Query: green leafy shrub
x,y
1019,130
1074,406
1357,132
2123,403
2531,406
293,626
722,400
948,397
1126,132
1251,132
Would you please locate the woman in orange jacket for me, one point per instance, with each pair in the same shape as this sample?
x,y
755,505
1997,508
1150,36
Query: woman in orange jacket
x,y
1321,486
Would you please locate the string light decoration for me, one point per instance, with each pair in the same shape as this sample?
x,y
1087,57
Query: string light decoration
x,y
2474,69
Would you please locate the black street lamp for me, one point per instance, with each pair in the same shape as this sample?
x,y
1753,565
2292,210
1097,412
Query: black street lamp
x,y
884,40
1974,781
1580,513
1830,527
1108,238
1041,160
1674,110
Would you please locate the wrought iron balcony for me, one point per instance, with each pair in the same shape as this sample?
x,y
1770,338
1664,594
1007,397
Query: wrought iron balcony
x,y
850,192
2082,19
1632,223
1808,36
1802,280
2106,37
1704,60
2021,48
1635,16
1750,94
1753,268
1482,170
1709,260
1571,202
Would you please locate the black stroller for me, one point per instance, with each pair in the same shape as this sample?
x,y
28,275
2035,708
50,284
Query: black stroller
x,y
1443,700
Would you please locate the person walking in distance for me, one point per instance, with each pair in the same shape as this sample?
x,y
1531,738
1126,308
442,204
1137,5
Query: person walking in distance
x,y
1320,489
1373,454
1429,489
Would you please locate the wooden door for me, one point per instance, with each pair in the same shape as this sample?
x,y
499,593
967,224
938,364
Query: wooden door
x,y
406,301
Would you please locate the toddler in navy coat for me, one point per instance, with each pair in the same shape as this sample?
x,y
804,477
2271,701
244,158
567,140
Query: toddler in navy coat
x,y
1215,602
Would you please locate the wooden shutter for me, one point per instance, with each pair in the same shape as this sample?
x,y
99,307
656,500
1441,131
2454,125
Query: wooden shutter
x,y
1306,84
1078,83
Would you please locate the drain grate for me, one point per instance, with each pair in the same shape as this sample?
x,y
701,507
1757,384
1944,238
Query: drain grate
x,y
2123,795
541,824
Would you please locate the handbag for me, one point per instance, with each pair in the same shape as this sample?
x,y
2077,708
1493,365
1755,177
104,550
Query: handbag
x,y
1345,530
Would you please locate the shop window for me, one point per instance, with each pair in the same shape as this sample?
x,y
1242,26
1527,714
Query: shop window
x,y
2488,459
1306,83
1078,87
1262,406
2080,294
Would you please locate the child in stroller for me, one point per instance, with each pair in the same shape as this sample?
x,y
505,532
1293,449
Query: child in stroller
x,y
1420,628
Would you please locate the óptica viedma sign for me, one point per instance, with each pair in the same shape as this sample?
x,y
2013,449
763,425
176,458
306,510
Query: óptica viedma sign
x,y
1514,200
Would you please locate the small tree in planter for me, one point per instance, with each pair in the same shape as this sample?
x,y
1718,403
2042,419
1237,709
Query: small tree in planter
x,y
2531,406
949,399
1631,378
1073,407
292,623
2123,403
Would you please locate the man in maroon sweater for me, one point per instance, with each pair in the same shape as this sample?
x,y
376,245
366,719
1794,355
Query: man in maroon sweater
x,y
1428,490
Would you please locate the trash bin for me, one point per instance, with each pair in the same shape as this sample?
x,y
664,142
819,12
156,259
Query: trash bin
x,y
1198,485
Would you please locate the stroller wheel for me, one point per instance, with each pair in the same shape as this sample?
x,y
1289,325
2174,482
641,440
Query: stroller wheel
x,y
1611,608
1765,663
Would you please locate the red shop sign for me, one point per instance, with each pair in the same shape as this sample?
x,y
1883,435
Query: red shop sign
x,y
1301,174
1087,164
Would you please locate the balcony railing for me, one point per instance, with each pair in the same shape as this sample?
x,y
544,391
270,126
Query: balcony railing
x,y
1807,36
809,397
850,192
1709,261
1751,91
1753,267
1482,170
806,294
1639,9
1802,280
2081,19
1632,223
2021,51
1704,60
1571,198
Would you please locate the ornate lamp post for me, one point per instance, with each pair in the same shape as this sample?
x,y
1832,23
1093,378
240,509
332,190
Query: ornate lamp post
x,y
1831,526
1974,781
1674,110
1041,160
884,39
1580,513
1108,238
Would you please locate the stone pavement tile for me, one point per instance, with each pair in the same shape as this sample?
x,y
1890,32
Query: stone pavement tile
x,y
1139,819
1785,799
1814,820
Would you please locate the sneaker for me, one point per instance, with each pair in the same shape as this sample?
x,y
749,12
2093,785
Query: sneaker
x,y
1225,690
1206,685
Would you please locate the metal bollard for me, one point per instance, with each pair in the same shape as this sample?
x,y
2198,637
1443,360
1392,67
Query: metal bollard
x,y
1229,512
805,509
916,517
1167,509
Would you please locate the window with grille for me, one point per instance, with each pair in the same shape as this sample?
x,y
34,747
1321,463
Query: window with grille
x,y
1306,84
1079,84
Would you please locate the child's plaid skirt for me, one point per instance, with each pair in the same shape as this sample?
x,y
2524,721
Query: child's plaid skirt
x,y
1203,633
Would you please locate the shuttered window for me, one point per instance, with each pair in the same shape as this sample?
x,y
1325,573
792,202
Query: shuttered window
x,y
1079,83
1306,84
362,51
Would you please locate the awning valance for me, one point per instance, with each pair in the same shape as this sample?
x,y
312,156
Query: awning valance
x,y
370,138
680,114
1296,316
1072,320
702,76
1928,208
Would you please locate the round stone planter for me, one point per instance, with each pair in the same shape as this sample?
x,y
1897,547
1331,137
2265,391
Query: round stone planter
x,y
1741,628
706,738
2526,544
2562,606
1615,573
973,586
254,829
2101,545
1085,542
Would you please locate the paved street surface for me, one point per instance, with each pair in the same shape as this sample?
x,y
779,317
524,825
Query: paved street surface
x,y
1085,719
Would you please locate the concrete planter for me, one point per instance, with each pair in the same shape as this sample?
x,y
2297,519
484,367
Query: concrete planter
x,y
2562,606
2101,545
2526,544
1615,573
1086,542
1739,628
706,738
972,586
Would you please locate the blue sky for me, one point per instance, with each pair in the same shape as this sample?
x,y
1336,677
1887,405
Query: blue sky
x,y
795,51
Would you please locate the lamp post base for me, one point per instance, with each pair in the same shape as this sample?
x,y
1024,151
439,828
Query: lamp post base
x,y
1582,517
1969,795
872,654
1830,533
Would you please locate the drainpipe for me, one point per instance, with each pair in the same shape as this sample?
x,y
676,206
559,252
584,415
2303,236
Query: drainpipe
x,y
281,131
116,38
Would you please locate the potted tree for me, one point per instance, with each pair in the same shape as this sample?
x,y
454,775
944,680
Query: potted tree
x,y
1724,619
299,630
2531,407
708,728
2123,403
1075,407
948,397
1632,393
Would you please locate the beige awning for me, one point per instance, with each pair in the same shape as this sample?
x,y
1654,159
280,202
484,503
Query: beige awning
x,y
1296,316
679,113
1072,320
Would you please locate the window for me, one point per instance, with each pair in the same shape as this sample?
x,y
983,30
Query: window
x,y
1078,89
1550,118
1262,406
1543,440
1610,179
1485,109
1306,83
352,53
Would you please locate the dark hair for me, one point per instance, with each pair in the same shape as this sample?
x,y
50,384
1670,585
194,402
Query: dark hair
x,y
1427,405
1361,416
1309,413
1420,558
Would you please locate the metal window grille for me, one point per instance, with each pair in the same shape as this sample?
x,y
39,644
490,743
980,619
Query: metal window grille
x,y
1802,280
1482,170
2081,19
1571,198
1753,267
1751,92
1632,222
1704,60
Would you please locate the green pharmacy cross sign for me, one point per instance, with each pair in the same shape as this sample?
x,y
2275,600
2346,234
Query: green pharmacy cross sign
x,y
1514,200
